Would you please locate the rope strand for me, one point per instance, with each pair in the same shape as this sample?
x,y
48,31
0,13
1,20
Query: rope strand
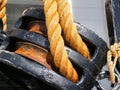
x,y
114,52
3,13
1,1
70,31
56,41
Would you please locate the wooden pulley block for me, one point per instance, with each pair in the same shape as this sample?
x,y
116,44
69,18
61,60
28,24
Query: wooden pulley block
x,y
29,48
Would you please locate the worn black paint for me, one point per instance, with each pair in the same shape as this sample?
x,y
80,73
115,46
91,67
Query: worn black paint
x,y
22,69
90,68
113,20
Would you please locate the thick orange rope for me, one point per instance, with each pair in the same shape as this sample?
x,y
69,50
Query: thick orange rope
x,y
70,30
114,52
3,13
56,41
1,1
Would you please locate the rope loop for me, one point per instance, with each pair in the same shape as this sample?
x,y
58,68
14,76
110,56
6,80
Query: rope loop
x,y
112,56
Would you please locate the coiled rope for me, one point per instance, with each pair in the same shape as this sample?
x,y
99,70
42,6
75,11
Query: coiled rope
x,y
57,49
114,52
3,13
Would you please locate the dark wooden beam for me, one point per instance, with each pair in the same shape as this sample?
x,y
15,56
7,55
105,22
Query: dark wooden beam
x,y
113,21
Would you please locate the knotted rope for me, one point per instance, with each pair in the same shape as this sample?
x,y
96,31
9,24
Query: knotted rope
x,y
3,13
114,52
56,41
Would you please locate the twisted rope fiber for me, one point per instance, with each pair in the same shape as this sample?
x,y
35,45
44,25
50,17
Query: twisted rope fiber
x,y
1,1
114,52
3,13
69,29
56,41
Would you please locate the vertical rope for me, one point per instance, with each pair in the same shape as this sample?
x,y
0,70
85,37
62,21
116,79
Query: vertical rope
x,y
70,31
114,52
3,13
56,41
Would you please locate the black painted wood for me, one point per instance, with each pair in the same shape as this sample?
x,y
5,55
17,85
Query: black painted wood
x,y
113,20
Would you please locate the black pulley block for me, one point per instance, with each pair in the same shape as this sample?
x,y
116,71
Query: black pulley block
x,y
4,40
37,76
113,16
90,68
